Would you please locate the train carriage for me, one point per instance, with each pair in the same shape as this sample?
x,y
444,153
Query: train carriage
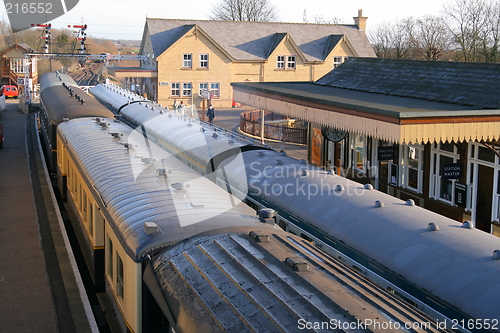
x,y
434,262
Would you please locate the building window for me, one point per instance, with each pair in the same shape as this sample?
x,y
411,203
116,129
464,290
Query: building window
x,y
444,155
215,89
358,148
291,62
203,60
280,61
203,86
186,89
16,65
119,276
337,61
412,165
176,90
187,60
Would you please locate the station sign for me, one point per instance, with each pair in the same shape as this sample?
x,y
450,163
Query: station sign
x,y
460,194
385,153
451,171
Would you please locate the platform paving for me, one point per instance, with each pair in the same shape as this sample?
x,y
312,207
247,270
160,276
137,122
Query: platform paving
x,y
229,118
38,288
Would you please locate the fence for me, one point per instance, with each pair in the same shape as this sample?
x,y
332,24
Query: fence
x,y
275,128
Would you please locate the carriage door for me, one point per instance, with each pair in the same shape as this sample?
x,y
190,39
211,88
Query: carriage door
x,y
484,197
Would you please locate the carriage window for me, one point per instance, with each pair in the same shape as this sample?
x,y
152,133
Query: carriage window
x,y
109,257
119,276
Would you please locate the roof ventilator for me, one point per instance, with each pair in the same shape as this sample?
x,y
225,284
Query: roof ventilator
x,y
305,173
379,204
298,264
65,119
104,125
339,188
98,119
410,202
163,172
215,136
116,135
283,152
303,161
330,172
180,186
260,238
261,153
148,160
432,227
467,225
266,215
496,255
230,141
129,146
195,204
151,228
368,187
279,162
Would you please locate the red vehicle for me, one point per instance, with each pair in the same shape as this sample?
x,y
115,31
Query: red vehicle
x,y
9,91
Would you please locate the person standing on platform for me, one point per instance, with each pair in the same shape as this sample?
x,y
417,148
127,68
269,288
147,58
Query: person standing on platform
x,y
211,113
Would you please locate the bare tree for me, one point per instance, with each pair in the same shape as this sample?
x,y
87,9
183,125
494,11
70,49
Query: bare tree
x,y
245,10
430,37
470,23
321,20
393,40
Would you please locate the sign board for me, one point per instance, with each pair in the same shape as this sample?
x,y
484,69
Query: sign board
x,y
460,194
163,83
451,171
385,153
205,94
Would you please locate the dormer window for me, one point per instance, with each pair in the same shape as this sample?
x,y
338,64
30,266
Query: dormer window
x,y
280,61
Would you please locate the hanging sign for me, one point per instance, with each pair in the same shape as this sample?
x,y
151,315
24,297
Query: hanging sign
x,y
451,171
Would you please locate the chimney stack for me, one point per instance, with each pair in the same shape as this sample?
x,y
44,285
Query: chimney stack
x,y
360,21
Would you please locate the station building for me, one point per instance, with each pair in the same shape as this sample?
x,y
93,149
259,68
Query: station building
x,y
186,57
427,131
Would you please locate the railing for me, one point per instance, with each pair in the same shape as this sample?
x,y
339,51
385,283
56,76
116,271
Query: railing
x,y
275,129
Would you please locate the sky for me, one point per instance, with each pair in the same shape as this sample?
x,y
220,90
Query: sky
x,y
124,19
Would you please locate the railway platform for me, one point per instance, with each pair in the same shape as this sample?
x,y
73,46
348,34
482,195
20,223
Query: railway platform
x,y
229,118
39,289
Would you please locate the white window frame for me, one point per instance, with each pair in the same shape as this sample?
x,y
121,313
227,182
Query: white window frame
x,y
203,86
435,176
187,89
405,169
204,60
337,61
215,89
187,60
17,65
175,89
280,61
355,154
291,62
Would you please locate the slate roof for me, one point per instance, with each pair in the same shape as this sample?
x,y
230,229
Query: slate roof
x,y
254,41
462,83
